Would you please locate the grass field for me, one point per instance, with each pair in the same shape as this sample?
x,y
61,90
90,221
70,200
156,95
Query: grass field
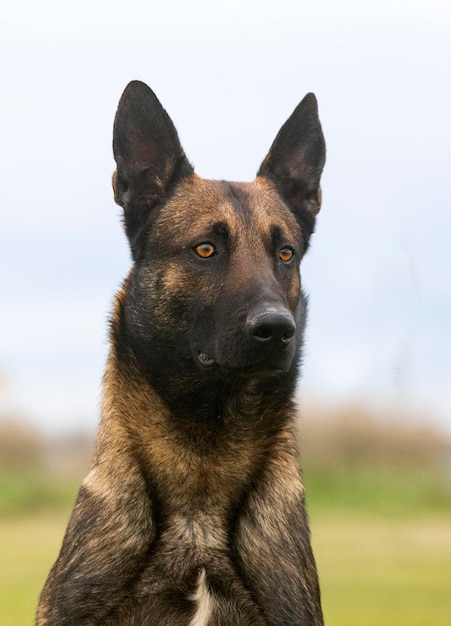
x,y
383,567
373,571
379,502
384,572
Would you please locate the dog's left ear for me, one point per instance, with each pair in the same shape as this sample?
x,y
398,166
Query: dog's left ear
x,y
149,158
295,162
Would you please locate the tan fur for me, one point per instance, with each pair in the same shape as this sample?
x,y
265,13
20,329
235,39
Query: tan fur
x,y
193,512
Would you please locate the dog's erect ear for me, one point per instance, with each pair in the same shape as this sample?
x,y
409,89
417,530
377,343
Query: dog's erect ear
x,y
149,158
295,162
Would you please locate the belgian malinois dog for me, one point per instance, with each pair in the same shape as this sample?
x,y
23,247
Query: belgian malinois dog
x,y
193,513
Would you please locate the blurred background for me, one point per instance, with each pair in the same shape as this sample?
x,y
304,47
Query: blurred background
x,y
375,397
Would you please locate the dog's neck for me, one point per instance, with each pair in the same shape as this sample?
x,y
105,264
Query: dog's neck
x,y
159,439
201,406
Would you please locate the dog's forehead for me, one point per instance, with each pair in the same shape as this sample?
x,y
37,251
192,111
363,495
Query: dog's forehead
x,y
244,207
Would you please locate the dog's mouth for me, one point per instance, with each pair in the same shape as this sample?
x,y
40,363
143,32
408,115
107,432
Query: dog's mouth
x,y
205,360
259,367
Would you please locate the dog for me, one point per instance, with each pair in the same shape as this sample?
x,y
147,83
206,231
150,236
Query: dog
x,y
193,512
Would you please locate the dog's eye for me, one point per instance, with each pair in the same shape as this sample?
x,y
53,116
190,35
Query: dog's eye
x,y
286,254
205,250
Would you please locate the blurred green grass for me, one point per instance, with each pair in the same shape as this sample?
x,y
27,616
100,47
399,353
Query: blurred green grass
x,y
382,544
379,500
28,546
376,571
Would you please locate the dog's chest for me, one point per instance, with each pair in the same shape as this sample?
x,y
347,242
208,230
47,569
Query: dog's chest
x,y
204,602
187,545
191,561
191,573
207,595
189,542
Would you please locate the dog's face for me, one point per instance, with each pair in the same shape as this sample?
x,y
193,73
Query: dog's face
x,y
219,277
215,286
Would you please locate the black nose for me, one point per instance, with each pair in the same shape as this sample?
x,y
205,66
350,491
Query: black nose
x,y
272,325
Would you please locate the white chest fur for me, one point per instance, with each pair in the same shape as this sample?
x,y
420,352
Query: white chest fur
x,y
204,602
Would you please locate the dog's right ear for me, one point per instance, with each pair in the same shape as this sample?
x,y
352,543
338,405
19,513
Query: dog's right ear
x,y
149,159
295,162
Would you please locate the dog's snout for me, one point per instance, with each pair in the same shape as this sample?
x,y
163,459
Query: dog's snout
x,y
272,326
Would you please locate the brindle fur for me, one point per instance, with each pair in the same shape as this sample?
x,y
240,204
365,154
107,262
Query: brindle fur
x,y
195,474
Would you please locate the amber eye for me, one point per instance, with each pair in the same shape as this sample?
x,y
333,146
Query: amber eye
x,y
286,255
205,250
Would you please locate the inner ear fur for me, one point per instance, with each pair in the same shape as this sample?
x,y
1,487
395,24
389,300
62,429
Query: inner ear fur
x,y
295,162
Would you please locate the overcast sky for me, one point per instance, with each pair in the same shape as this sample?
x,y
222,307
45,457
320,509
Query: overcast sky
x,y
229,74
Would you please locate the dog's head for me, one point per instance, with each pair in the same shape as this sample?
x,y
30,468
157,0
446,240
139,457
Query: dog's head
x,y
215,285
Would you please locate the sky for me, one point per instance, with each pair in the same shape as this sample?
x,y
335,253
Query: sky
x,y
229,74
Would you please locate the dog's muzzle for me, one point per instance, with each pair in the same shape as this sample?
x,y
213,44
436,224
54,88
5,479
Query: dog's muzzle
x,y
273,326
